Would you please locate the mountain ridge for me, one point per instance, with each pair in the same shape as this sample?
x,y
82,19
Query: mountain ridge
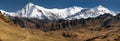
x,y
34,11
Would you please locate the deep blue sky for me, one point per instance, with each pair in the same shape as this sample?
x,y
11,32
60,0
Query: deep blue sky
x,y
15,5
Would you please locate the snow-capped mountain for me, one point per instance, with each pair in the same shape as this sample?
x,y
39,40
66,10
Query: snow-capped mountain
x,y
35,11
91,13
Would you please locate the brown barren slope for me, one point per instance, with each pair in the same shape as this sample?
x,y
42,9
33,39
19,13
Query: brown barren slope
x,y
12,32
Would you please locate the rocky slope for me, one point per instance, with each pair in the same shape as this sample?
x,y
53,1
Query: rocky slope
x,y
105,21
102,28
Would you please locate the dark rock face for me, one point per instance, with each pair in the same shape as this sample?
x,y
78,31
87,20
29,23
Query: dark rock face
x,y
0,40
117,39
7,20
105,20
69,35
18,21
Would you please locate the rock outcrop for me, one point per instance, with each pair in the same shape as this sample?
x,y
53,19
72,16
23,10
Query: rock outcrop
x,y
100,22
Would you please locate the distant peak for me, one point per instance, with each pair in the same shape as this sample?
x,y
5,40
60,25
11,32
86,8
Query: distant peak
x,y
100,6
30,3
76,7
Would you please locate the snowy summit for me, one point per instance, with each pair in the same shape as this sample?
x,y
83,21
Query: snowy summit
x,y
34,11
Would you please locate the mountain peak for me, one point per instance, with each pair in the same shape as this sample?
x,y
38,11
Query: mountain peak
x,y
30,3
100,6
76,7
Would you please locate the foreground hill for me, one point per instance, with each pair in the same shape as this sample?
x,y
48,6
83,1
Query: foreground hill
x,y
12,32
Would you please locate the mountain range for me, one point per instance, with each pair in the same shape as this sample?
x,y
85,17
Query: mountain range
x,y
34,11
36,23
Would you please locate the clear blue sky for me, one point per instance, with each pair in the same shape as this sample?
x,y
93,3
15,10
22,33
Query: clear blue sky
x,y
15,5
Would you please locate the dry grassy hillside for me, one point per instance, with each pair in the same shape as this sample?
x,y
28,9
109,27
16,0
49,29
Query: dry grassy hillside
x,y
12,32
